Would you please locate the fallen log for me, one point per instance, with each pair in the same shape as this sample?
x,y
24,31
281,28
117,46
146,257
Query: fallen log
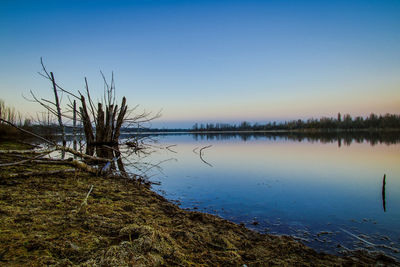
x,y
70,162
74,163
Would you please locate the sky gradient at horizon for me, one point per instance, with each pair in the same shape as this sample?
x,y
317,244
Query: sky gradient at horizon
x,y
209,61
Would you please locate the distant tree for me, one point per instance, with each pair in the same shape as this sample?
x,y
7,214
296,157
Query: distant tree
x,y
245,125
347,121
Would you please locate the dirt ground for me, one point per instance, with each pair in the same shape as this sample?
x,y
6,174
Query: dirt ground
x,y
44,220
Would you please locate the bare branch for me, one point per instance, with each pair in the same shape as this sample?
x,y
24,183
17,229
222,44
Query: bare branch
x,y
91,105
47,76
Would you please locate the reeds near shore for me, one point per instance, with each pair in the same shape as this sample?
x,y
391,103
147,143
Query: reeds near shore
x,y
12,115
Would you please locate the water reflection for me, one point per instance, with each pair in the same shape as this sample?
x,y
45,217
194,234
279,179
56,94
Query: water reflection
x,y
346,138
340,137
305,186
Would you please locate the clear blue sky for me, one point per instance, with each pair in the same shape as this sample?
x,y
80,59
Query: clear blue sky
x,y
203,61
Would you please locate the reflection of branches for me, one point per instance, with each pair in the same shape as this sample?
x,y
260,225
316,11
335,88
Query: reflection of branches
x,y
144,167
168,148
201,155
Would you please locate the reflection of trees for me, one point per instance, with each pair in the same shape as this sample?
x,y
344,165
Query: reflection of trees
x,y
341,138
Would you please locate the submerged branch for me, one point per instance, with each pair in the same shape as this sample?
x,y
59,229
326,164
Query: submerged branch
x,y
201,154
169,148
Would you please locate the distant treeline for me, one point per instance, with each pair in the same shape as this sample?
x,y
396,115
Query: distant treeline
x,y
373,121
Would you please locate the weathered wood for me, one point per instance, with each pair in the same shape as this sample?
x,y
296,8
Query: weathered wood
x,y
108,126
99,129
59,115
120,164
87,125
113,121
120,119
83,155
74,125
90,101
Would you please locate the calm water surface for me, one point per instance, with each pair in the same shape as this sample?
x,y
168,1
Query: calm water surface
x,y
327,196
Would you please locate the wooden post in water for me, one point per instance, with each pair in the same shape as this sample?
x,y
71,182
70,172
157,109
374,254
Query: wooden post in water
x,y
384,192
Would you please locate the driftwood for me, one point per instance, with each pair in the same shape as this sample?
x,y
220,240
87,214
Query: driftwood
x,y
84,202
72,162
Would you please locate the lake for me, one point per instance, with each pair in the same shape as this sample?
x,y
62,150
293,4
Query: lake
x,y
328,193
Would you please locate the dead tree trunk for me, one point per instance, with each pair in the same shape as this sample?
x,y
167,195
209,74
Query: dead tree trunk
x,y
87,126
59,115
104,138
100,129
74,125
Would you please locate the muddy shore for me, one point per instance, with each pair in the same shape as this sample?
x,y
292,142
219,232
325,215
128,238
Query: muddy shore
x,y
45,220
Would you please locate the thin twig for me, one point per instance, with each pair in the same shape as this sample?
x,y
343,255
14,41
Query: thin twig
x,y
84,202
359,238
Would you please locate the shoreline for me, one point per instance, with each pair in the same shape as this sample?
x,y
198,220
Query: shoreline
x,y
124,223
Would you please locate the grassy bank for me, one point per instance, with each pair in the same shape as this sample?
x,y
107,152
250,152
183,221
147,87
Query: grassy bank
x,y
44,220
